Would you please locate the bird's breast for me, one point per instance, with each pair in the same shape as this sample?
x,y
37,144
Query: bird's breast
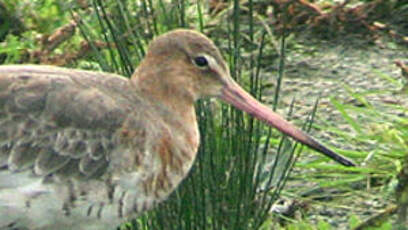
x,y
154,159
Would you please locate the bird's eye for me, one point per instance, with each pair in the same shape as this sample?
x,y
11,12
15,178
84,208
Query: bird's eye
x,y
201,61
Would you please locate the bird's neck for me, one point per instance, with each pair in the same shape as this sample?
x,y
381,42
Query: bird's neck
x,y
176,102
162,87
165,86
179,139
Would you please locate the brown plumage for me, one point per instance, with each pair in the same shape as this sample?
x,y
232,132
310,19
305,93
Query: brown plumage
x,y
86,150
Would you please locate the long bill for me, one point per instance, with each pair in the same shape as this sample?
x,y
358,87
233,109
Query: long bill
x,y
233,94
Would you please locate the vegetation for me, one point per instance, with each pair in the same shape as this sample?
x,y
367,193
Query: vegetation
x,y
242,169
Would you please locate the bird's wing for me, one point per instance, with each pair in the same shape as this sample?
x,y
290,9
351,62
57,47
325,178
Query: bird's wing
x,y
59,121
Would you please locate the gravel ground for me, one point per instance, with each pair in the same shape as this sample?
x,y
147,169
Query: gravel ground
x,y
323,69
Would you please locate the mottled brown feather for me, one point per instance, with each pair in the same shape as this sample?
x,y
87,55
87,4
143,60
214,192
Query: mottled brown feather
x,y
49,118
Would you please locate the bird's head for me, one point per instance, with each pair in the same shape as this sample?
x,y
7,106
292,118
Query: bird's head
x,y
189,61
185,64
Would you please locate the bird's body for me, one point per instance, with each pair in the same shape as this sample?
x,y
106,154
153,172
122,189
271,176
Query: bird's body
x,y
87,144
86,150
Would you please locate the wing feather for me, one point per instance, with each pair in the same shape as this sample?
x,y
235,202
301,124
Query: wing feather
x,y
59,121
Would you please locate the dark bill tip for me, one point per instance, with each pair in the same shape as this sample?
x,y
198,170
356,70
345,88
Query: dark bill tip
x,y
236,96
